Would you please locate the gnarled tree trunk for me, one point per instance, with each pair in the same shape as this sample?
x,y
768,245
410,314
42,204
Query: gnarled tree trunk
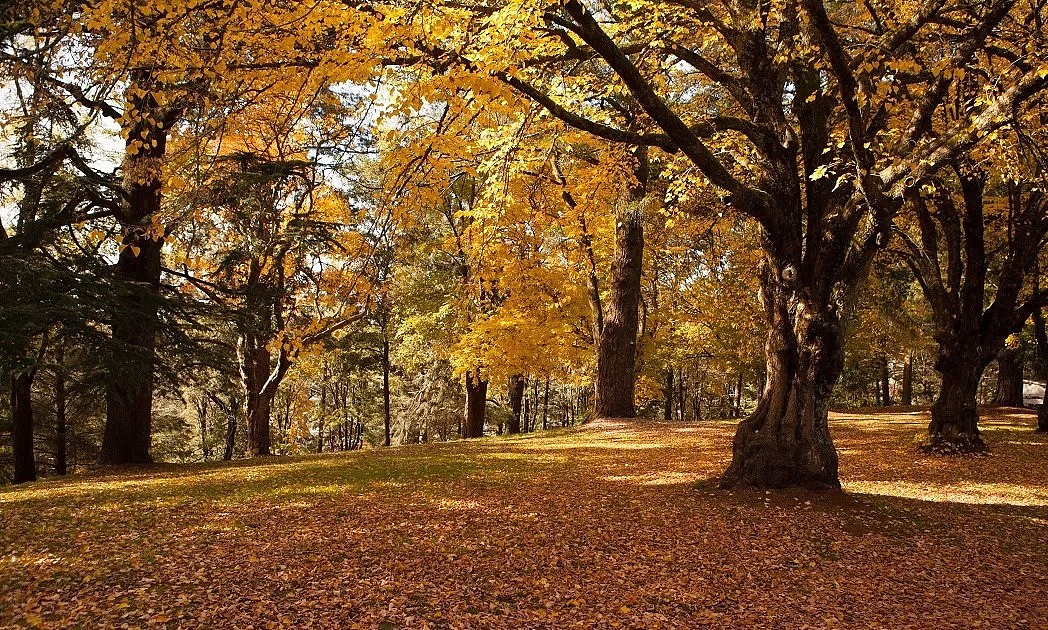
x,y
476,400
617,349
786,441
954,426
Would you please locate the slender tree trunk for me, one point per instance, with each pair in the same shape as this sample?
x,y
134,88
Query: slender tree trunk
x,y
476,400
61,421
534,406
786,440
545,407
954,426
385,394
1009,378
682,396
667,411
738,396
886,394
322,418
907,381
202,411
22,426
1041,333
231,431
515,391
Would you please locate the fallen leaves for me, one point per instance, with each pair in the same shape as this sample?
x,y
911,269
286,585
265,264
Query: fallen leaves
x,y
603,526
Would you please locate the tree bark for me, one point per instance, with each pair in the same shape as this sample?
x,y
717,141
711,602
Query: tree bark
x,y
545,407
61,421
907,381
22,426
885,385
135,320
667,409
476,401
616,381
786,440
515,393
954,427
1009,378
385,394
682,396
129,390
1041,334
231,431
258,399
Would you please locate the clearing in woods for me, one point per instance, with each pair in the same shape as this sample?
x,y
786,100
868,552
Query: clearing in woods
x,y
609,525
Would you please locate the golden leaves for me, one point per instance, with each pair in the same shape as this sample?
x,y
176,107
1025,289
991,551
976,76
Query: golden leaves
x,y
602,526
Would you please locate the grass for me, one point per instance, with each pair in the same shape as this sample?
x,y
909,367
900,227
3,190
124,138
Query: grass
x,y
609,525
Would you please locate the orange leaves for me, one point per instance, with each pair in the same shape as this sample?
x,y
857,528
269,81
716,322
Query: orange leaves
x,y
542,531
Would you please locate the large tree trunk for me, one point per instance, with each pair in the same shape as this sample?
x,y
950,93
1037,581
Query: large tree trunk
x,y
954,426
476,400
255,372
129,390
786,440
515,388
22,426
129,387
1009,378
617,346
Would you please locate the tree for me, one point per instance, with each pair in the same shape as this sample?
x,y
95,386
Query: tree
x,y
1009,390
617,330
832,126
976,283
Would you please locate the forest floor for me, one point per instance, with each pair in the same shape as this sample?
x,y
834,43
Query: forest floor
x,y
604,526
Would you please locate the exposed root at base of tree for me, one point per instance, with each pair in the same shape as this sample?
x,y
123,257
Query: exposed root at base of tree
x,y
956,445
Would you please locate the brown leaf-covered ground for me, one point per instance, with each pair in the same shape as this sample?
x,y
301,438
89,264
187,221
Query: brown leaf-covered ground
x,y
598,527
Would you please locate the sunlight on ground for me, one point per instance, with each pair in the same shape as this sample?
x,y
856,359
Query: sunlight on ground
x,y
593,444
970,493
